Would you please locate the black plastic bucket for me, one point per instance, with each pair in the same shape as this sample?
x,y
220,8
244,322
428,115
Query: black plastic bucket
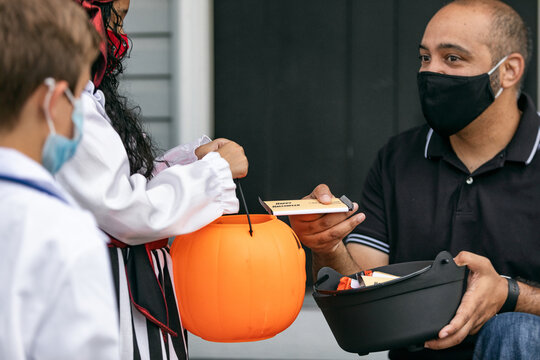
x,y
404,312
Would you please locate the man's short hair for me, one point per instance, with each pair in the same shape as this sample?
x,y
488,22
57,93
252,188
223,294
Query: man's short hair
x,y
508,32
40,39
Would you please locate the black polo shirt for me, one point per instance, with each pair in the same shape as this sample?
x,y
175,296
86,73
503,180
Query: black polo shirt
x,y
420,199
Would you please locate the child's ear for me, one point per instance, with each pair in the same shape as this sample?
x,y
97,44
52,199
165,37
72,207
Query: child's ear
x,y
53,100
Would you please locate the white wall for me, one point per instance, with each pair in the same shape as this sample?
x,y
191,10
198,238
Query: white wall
x,y
147,80
193,75
170,71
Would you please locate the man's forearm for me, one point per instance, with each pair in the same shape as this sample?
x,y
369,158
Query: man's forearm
x,y
339,260
529,299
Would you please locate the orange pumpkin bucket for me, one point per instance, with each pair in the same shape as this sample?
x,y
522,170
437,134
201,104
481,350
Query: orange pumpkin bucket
x,y
233,287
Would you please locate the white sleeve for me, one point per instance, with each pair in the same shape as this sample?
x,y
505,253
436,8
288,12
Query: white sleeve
x,y
81,321
180,155
178,200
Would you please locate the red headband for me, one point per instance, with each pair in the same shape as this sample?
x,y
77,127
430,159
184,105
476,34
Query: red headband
x,y
94,12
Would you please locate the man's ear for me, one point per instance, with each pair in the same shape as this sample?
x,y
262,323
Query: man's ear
x,y
53,96
512,70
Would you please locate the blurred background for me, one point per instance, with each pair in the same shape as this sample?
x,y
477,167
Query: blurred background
x,y
311,89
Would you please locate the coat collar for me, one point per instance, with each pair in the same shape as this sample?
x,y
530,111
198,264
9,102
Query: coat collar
x,y
15,164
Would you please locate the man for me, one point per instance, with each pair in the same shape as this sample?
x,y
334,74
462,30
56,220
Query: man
x,y
467,183
56,293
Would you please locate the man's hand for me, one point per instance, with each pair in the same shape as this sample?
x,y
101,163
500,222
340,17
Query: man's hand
x,y
485,295
323,233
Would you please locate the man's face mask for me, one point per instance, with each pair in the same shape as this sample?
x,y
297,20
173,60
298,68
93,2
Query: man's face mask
x,y
451,102
59,149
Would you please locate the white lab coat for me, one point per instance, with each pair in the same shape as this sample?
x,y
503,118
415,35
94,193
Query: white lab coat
x,y
177,200
56,293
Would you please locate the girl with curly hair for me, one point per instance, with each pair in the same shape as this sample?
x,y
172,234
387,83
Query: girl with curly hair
x,y
140,201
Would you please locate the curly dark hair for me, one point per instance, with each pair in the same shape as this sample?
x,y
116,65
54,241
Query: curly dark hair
x,y
125,119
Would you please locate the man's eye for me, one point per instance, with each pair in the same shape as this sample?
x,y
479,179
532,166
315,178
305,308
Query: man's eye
x,y
424,58
452,58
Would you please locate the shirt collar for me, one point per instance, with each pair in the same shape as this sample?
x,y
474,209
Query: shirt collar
x,y
17,165
524,144
436,145
522,147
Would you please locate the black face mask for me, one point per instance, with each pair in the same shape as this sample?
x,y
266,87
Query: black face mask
x,y
451,102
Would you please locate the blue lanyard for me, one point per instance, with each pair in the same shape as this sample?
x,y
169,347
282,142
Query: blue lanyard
x,y
32,185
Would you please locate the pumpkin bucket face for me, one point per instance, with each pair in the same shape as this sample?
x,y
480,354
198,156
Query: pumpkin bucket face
x,y
233,287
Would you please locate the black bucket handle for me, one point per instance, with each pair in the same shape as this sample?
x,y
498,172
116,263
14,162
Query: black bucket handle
x,y
237,181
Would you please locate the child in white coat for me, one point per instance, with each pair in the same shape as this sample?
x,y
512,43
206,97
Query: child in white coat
x,y
56,292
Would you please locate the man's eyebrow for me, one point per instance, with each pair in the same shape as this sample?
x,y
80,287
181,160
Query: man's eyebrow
x,y
454,47
448,46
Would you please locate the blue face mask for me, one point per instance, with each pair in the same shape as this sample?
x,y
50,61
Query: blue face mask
x,y
58,149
